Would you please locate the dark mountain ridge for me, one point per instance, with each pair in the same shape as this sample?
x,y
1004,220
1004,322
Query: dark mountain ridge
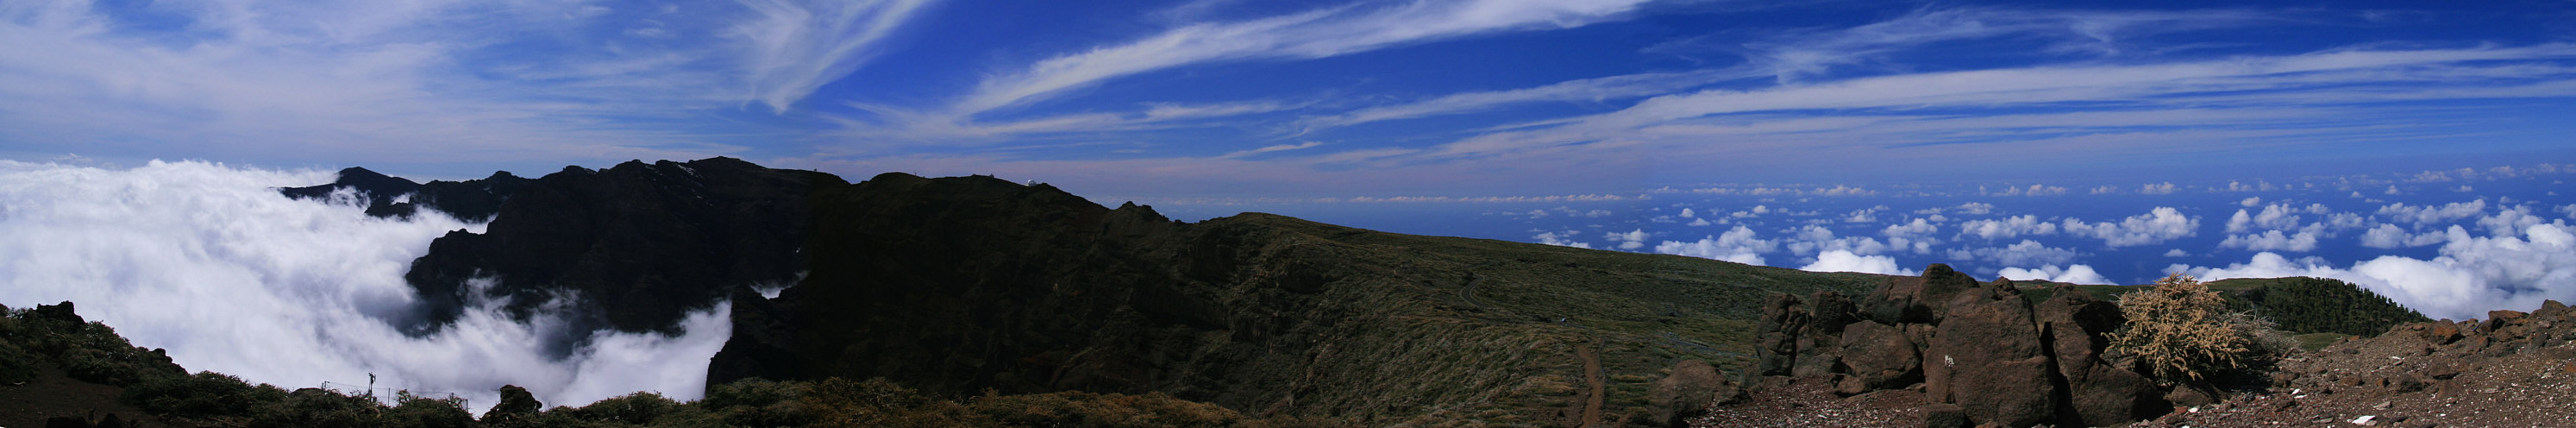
x,y
961,285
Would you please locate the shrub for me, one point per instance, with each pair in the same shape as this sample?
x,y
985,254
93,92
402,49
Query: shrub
x,y
640,408
758,403
2182,331
412,411
316,407
206,394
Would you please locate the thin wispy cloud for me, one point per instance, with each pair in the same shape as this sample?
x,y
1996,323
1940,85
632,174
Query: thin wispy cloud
x,y
2125,86
797,47
1308,35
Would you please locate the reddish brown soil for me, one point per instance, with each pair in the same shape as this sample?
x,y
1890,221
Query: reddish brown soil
x,y
1592,376
2523,376
2396,380
1810,402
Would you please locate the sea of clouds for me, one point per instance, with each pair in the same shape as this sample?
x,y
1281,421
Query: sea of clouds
x,y
211,263
2450,244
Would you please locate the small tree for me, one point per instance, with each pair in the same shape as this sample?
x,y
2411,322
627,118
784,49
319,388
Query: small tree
x,y
2183,331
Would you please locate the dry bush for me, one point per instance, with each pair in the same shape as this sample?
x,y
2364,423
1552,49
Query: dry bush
x,y
2182,331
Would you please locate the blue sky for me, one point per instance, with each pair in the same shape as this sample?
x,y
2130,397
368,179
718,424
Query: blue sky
x,y
1226,98
2418,149
2122,137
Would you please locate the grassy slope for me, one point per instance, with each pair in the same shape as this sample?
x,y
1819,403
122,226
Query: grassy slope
x,y
1505,351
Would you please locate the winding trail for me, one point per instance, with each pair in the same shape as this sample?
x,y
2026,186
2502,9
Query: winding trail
x,y
1592,376
1469,292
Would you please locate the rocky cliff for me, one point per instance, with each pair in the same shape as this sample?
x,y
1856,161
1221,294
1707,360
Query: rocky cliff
x,y
635,246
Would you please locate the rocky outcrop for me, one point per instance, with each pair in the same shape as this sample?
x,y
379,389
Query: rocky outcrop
x,y
1990,358
646,242
2099,393
388,196
1983,349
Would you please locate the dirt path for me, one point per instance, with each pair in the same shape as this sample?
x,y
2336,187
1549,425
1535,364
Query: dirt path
x,y
1592,376
1469,292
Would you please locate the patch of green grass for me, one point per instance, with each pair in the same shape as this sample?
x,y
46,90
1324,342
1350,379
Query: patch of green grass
x,y
2316,341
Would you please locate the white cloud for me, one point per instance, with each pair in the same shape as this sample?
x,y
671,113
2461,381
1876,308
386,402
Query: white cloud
x,y
2473,274
1687,213
1307,35
2177,252
1584,90
1631,240
2156,226
1914,234
2250,201
1738,245
2008,227
2428,215
2274,217
2507,221
2076,274
427,82
1864,215
796,47
2024,253
2241,90
1846,261
2391,236
2033,190
1812,239
1976,208
2166,188
211,263
1565,240
2301,241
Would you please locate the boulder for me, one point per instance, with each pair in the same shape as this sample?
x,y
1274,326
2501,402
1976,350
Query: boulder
x,y
2440,333
1880,356
1944,416
2099,393
1776,336
1820,341
517,408
1991,330
2498,319
1684,394
1916,300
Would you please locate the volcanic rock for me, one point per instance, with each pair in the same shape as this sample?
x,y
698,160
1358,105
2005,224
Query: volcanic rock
x,y
1684,394
1997,368
648,242
1880,356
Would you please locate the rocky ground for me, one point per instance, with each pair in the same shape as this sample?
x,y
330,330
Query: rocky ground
x,y
2511,370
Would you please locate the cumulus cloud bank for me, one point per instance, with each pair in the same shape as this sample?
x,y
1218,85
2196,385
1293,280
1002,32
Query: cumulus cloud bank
x,y
209,262
2077,274
1846,261
1736,245
2473,274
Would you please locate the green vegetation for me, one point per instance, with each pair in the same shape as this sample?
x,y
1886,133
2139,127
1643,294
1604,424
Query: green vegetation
x,y
2316,305
2299,305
